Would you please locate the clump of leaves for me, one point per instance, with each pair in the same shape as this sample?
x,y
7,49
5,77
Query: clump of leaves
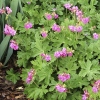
x,y
60,41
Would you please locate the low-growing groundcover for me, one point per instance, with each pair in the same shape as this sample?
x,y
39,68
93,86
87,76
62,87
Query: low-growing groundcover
x,y
59,49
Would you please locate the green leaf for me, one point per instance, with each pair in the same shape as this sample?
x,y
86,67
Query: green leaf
x,y
21,10
4,45
1,3
12,76
9,53
14,6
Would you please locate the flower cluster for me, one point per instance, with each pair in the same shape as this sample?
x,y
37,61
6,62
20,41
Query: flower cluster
x,y
8,30
46,57
68,6
75,28
5,10
60,88
44,33
14,45
64,77
79,13
56,28
50,16
96,86
55,15
63,53
95,35
85,96
8,10
28,25
30,76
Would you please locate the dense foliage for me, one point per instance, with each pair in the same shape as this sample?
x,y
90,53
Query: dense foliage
x,y
59,49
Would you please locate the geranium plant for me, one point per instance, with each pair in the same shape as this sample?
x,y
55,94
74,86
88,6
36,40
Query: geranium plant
x,y
59,49
7,9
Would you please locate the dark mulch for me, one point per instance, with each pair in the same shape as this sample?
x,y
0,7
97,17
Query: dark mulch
x,y
8,90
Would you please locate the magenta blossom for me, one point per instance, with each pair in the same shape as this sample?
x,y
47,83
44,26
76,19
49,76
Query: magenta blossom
x,y
46,57
56,16
56,28
78,28
95,35
85,96
8,30
63,52
60,88
13,45
79,13
74,9
28,25
48,16
96,86
71,28
2,11
30,76
70,54
57,54
64,77
85,20
44,34
75,28
8,10
68,6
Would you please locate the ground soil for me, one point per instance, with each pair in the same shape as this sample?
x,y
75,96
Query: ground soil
x,y
8,90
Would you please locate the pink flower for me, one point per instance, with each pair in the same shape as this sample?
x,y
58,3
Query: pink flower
x,y
60,88
95,36
70,54
30,76
95,89
64,77
56,28
28,25
96,86
56,16
79,13
13,45
75,28
74,9
2,11
72,28
8,30
79,28
44,34
85,20
63,52
85,96
8,10
68,6
48,16
46,57
57,54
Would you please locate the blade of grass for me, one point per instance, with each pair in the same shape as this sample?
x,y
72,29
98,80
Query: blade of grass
x,y
3,45
1,3
14,6
9,53
20,5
